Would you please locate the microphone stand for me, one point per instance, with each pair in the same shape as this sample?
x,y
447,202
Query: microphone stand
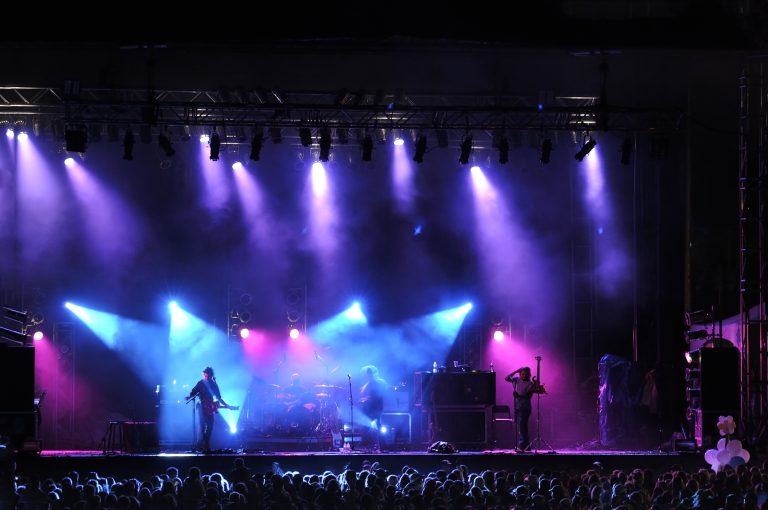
x,y
351,415
538,443
194,421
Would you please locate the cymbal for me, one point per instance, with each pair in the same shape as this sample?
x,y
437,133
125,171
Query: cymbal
x,y
327,386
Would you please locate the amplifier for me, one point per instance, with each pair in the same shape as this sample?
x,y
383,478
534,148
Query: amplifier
x,y
398,427
451,389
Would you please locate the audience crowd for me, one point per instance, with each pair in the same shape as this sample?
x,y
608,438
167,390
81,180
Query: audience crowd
x,y
373,487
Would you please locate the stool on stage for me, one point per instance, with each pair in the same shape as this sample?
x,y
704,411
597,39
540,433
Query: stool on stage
x,y
114,440
131,437
503,426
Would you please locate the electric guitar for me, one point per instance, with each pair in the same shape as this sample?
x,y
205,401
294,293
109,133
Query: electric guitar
x,y
211,406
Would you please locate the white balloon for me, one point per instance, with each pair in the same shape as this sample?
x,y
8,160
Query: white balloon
x,y
715,467
734,445
723,456
721,444
710,456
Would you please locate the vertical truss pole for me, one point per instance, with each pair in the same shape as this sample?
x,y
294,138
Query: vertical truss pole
x,y
753,166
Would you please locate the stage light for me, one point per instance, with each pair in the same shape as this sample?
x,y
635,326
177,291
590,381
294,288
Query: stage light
x,y
204,138
503,150
9,133
325,145
367,147
128,145
306,136
256,143
37,336
245,332
399,140
498,335
546,150
76,138
23,135
421,148
69,161
466,148
626,151
294,333
237,165
166,145
215,146
586,148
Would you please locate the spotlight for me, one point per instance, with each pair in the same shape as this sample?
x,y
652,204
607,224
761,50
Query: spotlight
x,y
306,136
626,151
128,145
325,145
294,333
546,150
586,148
215,146
166,145
503,150
421,148
76,139
367,147
256,143
466,148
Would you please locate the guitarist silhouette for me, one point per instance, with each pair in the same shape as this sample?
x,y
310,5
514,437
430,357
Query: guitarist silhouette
x,y
208,392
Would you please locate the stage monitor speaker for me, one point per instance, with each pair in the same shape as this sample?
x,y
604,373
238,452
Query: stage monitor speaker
x,y
465,427
720,380
140,437
20,362
453,389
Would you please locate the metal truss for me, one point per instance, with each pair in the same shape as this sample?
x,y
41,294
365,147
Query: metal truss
x,y
753,216
40,108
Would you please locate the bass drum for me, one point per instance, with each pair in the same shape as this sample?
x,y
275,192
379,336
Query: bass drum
x,y
300,421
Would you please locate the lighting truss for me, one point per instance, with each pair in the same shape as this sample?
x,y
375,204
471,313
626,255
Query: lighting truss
x,y
454,114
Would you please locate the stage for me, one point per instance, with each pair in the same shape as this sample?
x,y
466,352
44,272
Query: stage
x,y
57,463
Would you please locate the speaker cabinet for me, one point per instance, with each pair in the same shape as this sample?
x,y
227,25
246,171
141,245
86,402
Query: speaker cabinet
x,y
454,389
20,363
720,392
140,436
465,427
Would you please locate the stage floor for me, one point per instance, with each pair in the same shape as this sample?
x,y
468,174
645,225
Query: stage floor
x,y
57,463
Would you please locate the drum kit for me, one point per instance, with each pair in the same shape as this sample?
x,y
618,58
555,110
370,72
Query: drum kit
x,y
302,412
